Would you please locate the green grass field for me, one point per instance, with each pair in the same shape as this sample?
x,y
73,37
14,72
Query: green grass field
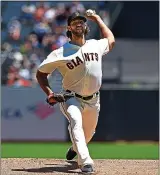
x,y
97,150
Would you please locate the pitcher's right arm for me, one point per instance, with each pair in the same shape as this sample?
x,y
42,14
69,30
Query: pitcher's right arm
x,y
105,31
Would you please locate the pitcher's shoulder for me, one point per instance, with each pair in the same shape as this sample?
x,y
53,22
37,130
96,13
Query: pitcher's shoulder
x,y
91,41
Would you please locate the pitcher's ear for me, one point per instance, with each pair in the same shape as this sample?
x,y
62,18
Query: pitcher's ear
x,y
68,28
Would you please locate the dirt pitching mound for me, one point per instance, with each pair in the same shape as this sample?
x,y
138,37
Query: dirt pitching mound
x,y
23,166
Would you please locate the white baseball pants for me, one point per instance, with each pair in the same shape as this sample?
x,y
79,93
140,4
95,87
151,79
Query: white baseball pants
x,y
83,117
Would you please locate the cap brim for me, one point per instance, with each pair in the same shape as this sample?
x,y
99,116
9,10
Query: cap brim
x,y
79,17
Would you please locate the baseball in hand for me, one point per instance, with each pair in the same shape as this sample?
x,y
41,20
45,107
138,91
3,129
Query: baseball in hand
x,y
90,12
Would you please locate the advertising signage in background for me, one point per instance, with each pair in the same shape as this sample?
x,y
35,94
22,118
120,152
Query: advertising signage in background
x,y
26,116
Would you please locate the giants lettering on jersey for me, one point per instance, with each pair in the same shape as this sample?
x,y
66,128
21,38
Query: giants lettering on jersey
x,y
77,61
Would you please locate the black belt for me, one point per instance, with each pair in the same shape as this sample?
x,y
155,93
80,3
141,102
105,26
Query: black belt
x,y
84,98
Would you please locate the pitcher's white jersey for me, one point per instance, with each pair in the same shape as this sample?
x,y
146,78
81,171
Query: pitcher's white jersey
x,y
81,67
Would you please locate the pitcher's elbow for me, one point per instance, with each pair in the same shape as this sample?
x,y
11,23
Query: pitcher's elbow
x,y
111,44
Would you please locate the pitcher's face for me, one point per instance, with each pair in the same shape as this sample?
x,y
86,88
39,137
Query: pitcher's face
x,y
77,27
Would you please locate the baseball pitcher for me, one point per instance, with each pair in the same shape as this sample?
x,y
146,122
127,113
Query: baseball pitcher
x,y
80,63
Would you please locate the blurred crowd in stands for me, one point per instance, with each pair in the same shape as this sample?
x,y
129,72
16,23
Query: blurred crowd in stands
x,y
20,56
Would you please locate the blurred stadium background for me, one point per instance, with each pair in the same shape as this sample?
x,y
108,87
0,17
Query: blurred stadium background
x,y
129,118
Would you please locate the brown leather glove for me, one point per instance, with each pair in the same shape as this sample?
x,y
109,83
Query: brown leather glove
x,y
58,98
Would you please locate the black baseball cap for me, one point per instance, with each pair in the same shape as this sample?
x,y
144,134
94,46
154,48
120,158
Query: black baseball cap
x,y
76,15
